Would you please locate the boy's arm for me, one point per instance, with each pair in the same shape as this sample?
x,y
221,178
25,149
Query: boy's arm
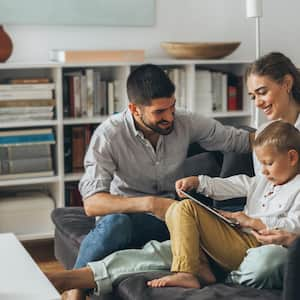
x,y
225,188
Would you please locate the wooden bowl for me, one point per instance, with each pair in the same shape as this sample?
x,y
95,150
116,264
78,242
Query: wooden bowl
x,y
209,50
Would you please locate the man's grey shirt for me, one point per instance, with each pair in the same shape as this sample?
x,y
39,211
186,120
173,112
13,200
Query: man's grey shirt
x,y
121,161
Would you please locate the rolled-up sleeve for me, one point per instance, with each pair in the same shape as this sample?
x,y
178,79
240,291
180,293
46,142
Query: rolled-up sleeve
x,y
99,167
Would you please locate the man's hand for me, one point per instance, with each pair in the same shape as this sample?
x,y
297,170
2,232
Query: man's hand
x,y
186,184
275,236
158,206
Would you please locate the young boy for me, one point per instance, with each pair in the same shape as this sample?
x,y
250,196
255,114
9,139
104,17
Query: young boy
x,y
195,232
273,201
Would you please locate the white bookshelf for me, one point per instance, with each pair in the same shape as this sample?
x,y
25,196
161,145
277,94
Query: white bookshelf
x,y
55,185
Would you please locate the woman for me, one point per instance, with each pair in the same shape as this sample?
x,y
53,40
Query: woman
x,y
273,82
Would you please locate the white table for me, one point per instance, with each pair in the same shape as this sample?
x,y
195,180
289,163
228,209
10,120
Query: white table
x,y
20,277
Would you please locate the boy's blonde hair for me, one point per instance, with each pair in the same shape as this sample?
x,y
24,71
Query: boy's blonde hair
x,y
281,135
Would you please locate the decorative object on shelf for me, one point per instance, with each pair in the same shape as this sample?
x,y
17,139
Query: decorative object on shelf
x,y
191,50
79,56
6,45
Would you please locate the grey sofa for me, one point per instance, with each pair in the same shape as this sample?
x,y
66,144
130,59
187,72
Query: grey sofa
x,y
71,225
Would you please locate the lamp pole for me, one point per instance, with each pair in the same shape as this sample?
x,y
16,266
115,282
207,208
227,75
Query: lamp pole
x,y
254,10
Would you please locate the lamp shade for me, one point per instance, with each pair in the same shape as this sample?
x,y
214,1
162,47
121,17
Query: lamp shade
x,y
254,8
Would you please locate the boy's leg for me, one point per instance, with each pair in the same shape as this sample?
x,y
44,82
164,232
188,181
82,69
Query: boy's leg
x,y
195,233
128,230
262,267
154,256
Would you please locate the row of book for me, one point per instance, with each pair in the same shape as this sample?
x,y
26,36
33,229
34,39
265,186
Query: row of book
x,y
27,99
217,92
76,141
86,93
214,91
26,153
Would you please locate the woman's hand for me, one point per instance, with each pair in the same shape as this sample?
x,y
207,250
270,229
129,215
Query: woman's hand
x,y
275,236
244,220
186,184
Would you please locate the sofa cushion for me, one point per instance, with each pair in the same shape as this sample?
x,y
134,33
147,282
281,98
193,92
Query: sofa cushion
x,y
134,287
72,222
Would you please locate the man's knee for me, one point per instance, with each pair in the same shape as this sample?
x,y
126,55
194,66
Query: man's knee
x,y
118,225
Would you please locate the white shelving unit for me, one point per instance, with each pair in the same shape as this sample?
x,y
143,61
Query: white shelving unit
x,y
55,185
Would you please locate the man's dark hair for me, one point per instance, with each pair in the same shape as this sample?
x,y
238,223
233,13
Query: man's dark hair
x,y
148,82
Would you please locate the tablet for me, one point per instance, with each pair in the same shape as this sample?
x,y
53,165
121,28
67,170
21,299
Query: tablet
x,y
231,222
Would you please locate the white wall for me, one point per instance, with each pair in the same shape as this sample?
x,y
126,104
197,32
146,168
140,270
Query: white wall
x,y
176,20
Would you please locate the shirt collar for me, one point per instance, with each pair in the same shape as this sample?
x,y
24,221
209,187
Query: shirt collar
x,y
131,124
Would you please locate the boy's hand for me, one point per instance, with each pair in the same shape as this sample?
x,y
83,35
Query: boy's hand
x,y
186,184
239,217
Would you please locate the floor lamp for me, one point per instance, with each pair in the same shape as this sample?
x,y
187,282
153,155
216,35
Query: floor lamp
x,y
254,10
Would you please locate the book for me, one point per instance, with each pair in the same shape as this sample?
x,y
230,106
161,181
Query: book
x,y
19,111
76,56
26,132
78,148
25,151
32,80
27,86
36,164
15,137
27,116
27,103
24,95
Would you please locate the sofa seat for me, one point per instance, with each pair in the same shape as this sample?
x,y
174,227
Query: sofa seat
x,y
134,287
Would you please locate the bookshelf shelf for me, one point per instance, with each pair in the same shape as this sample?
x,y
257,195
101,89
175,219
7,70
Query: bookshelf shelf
x,y
114,75
29,124
29,181
86,120
72,177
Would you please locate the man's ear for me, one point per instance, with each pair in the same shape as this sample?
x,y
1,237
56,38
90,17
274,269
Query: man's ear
x,y
293,157
135,110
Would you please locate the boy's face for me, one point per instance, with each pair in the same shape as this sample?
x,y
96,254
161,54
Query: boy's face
x,y
278,167
158,116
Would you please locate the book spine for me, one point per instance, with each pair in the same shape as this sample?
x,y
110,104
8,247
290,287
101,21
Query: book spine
x,y
78,148
26,95
27,87
8,140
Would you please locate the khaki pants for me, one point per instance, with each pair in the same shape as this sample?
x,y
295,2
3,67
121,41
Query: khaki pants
x,y
195,233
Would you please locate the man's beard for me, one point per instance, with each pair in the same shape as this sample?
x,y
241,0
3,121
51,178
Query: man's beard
x,y
155,127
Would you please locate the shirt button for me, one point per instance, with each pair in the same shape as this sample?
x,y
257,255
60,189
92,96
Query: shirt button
x,y
263,205
157,162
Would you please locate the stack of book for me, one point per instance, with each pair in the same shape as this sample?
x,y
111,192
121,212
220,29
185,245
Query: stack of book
x,y
26,153
27,99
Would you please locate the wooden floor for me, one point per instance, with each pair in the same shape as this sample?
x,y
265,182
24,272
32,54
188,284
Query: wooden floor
x,y
42,252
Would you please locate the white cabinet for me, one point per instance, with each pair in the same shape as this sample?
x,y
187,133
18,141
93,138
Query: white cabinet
x,y
56,185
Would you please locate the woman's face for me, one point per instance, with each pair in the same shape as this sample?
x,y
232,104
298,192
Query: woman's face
x,y
270,96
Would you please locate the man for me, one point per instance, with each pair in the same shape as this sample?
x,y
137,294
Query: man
x,y
134,159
